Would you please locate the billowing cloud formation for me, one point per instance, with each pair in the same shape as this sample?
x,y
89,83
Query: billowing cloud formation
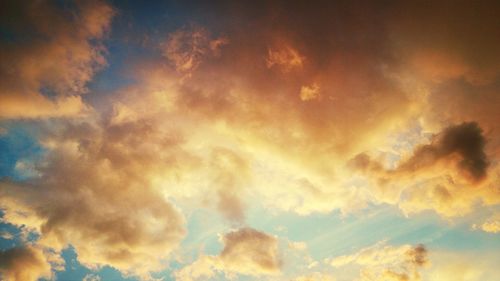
x,y
246,251
24,264
49,57
95,193
452,168
382,262
349,95
464,141
271,120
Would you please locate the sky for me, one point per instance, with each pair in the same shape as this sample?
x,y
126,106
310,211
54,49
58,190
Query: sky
x,y
250,140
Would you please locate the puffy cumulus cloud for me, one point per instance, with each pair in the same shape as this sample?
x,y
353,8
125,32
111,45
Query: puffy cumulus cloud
x,y
237,157
186,48
449,175
364,98
384,262
369,91
456,63
246,251
465,139
94,191
49,56
237,100
463,145
24,264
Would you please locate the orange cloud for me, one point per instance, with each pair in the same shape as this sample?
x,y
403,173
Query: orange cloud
x,y
45,78
187,48
286,58
448,175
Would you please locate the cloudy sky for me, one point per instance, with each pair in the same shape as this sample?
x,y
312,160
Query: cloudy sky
x,y
250,140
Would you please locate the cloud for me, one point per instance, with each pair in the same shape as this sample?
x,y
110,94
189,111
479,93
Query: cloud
x,y
449,175
491,225
285,57
462,266
186,48
229,184
50,57
462,49
309,92
246,251
239,132
24,264
383,262
94,192
465,141
368,94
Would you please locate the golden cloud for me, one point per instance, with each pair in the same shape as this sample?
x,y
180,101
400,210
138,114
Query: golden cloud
x,y
383,262
186,48
94,192
246,251
44,78
491,225
285,117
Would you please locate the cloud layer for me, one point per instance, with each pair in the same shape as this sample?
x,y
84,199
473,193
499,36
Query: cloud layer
x,y
288,107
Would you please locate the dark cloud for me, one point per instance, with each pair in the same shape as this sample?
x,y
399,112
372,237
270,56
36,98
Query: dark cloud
x,y
465,139
418,255
23,264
